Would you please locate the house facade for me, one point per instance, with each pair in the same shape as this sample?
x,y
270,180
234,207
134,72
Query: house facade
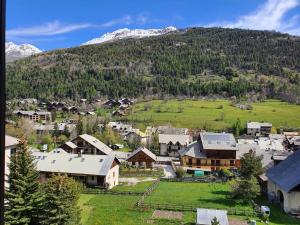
x,y
284,183
213,151
34,115
92,170
11,146
86,144
142,157
257,128
171,144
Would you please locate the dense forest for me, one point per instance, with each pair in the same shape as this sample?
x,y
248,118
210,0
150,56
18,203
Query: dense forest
x,y
190,62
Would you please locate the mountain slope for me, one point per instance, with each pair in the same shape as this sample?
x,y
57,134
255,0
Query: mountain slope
x,y
14,52
191,62
127,33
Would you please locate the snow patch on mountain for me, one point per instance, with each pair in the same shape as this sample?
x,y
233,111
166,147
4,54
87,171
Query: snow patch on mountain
x,y
127,33
14,51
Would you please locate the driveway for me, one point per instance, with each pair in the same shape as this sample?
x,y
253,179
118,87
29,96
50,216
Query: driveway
x,y
169,172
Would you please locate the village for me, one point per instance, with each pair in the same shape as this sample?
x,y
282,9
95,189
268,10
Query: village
x,y
112,157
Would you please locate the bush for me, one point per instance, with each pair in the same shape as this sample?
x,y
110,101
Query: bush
x,y
180,172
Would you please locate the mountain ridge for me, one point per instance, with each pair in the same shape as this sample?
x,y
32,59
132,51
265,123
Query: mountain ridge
x,y
14,51
125,33
192,62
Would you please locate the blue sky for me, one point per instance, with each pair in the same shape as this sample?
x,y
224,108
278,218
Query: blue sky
x,y
52,24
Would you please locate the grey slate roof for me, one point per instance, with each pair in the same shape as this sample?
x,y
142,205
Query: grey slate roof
x,y
29,113
218,141
98,165
146,151
193,150
286,174
205,216
96,143
71,144
171,130
11,141
174,138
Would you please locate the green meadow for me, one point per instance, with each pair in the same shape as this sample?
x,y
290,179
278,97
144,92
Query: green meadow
x,y
214,115
102,209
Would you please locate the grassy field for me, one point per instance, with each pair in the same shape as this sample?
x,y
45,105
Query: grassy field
x,y
212,114
210,195
116,209
139,187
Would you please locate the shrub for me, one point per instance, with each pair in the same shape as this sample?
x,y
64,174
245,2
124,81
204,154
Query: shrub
x,y
180,172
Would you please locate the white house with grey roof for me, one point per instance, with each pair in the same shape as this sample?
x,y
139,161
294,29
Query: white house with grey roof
x,y
284,183
171,144
92,170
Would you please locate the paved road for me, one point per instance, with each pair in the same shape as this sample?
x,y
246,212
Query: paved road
x,y
169,172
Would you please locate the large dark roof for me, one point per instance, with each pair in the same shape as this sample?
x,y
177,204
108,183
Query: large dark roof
x,y
287,173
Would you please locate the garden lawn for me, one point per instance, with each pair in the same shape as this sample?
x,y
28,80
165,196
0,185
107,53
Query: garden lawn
x,y
139,187
215,115
200,195
118,210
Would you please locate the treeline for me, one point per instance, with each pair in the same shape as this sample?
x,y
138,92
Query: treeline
x,y
190,62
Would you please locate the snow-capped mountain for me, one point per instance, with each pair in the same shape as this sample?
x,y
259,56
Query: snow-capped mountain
x,y
127,33
14,51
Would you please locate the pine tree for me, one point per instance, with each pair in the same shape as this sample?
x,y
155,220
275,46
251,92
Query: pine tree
x,y
251,165
23,195
79,127
61,198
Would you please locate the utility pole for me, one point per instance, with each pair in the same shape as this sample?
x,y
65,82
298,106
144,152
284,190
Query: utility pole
x,y
2,109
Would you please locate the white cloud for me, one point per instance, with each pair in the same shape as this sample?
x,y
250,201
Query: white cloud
x,y
47,29
269,16
126,20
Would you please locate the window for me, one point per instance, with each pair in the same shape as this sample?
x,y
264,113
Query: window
x,y
113,174
198,162
231,162
93,177
190,161
13,151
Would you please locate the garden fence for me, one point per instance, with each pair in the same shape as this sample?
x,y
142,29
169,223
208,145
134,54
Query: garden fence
x,y
192,208
148,192
104,191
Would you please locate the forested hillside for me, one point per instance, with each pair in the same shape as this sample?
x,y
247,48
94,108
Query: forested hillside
x,y
192,62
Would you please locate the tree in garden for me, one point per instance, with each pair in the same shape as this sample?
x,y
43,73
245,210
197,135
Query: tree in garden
x,y
237,127
215,221
24,199
79,127
61,201
154,144
134,142
180,172
66,131
55,133
251,165
246,189
47,140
